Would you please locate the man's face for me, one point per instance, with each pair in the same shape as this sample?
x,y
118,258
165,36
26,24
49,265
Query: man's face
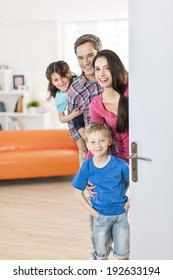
x,y
85,55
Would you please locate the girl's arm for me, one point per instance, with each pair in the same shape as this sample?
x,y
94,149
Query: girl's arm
x,y
65,119
80,196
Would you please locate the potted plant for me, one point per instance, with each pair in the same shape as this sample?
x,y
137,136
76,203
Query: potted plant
x,y
33,106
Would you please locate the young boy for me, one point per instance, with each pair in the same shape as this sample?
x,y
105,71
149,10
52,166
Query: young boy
x,y
108,174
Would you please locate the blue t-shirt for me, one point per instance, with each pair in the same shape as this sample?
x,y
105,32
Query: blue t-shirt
x,y
109,182
61,101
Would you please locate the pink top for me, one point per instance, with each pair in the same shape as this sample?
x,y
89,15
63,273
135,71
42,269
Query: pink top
x,y
100,114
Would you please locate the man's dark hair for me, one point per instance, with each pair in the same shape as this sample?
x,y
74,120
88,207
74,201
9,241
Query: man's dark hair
x,y
88,38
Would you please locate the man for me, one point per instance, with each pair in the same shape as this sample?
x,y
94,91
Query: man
x,y
85,87
81,92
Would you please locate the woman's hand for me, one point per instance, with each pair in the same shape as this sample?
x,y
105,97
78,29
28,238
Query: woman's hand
x,y
90,187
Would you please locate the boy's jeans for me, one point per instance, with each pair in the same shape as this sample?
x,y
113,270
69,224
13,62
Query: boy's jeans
x,y
107,228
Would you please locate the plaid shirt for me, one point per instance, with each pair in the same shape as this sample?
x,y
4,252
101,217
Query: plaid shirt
x,y
80,94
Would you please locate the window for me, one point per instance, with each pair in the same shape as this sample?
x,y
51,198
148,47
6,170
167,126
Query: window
x,y
114,36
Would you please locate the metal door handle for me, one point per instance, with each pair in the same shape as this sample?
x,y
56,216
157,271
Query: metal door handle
x,y
134,157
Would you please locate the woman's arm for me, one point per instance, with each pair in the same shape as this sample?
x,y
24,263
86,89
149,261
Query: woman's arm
x,y
80,196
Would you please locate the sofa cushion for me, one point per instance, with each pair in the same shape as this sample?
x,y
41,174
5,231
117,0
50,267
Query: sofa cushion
x,y
41,163
36,139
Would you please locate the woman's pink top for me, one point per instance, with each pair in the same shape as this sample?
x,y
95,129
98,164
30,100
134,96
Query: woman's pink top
x,y
100,114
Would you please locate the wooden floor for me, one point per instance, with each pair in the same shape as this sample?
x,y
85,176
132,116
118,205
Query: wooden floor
x,y
42,220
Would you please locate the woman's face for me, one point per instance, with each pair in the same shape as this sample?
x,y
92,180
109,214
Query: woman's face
x,y
61,83
102,72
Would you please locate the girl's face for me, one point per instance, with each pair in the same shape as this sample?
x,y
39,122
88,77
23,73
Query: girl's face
x,y
61,83
98,143
102,72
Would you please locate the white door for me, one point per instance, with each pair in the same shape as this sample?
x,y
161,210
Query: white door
x,y
151,126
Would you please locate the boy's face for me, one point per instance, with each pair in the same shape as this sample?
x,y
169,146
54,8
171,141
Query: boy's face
x,y
98,143
85,55
61,83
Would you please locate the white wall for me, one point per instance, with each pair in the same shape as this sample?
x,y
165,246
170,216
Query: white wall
x,y
28,48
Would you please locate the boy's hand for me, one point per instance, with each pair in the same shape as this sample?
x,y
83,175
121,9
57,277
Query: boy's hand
x,y
90,188
127,206
96,216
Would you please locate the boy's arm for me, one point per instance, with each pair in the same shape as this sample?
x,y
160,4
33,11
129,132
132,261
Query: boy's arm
x,y
126,173
80,196
126,176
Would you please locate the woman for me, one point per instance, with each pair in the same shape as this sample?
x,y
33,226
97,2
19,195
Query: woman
x,y
111,106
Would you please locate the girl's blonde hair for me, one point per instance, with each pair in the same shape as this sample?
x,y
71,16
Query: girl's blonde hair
x,y
95,126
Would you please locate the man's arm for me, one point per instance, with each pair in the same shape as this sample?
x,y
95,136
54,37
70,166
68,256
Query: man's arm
x,y
80,196
71,105
82,147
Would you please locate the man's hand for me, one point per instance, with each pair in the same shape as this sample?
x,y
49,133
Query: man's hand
x,y
82,147
90,188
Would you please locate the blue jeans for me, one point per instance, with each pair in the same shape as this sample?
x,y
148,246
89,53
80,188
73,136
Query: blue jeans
x,y
108,228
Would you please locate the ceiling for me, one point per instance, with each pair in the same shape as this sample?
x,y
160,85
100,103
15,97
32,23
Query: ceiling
x,y
69,10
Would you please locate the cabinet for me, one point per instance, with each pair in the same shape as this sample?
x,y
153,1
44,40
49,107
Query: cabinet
x,y
10,120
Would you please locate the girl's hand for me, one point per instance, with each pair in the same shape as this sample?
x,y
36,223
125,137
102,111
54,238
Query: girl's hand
x,y
76,112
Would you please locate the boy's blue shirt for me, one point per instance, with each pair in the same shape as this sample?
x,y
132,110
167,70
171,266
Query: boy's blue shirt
x,y
109,183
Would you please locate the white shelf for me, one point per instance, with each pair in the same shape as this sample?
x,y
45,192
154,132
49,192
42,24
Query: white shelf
x,y
25,120
10,98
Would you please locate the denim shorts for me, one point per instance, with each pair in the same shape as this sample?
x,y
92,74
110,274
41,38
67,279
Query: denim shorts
x,y
113,229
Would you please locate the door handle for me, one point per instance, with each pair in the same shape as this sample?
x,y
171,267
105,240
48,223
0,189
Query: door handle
x,y
134,157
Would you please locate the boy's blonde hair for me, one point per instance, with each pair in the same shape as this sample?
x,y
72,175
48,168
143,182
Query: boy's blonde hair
x,y
94,126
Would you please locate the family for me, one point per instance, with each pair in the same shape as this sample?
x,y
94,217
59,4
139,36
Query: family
x,y
96,103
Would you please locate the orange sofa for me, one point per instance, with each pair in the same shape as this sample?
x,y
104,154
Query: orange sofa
x,y
37,153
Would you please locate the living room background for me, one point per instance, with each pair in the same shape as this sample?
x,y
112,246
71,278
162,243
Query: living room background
x,y
29,46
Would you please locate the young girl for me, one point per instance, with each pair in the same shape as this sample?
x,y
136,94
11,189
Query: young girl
x,y
60,78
